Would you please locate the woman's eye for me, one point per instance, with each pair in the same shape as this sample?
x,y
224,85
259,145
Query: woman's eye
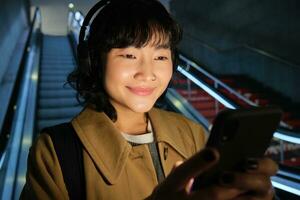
x,y
161,58
129,56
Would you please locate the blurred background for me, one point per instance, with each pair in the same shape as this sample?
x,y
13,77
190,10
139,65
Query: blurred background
x,y
234,54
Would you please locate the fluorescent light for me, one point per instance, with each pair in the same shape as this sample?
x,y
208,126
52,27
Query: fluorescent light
x,y
287,138
288,174
77,16
71,5
286,188
2,160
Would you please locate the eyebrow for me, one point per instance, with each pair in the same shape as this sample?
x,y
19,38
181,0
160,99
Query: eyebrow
x,y
157,47
162,46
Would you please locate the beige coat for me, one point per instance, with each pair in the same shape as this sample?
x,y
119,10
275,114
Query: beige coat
x,y
113,168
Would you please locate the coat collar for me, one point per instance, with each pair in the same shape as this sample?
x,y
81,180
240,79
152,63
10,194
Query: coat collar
x,y
107,147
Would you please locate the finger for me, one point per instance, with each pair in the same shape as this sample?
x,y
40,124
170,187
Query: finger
x,y
216,193
177,163
249,196
192,167
258,184
264,166
191,181
188,187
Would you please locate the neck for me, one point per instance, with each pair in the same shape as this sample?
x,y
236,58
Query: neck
x,y
131,122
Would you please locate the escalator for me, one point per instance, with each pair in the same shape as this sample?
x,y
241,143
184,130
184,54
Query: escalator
x,y
56,100
43,99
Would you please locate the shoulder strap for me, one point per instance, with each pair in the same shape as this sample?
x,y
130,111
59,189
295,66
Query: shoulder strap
x,y
68,149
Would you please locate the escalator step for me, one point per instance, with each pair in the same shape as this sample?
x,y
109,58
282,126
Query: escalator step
x,y
46,123
58,66
57,57
49,63
48,78
57,93
57,102
56,113
54,85
55,72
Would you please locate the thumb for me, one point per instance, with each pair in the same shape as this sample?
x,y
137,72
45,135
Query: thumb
x,y
181,176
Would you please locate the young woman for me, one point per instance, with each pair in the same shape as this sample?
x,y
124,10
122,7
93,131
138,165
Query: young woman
x,y
130,149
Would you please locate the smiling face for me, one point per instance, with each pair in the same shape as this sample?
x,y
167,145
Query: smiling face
x,y
136,77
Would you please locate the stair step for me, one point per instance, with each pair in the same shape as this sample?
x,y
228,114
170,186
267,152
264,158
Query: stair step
x,y
208,113
194,92
199,98
204,105
294,122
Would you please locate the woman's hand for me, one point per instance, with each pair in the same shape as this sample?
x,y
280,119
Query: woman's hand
x,y
253,183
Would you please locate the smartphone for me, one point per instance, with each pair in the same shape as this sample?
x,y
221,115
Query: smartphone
x,y
238,135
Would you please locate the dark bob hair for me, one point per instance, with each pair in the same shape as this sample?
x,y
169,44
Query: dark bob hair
x,y
121,23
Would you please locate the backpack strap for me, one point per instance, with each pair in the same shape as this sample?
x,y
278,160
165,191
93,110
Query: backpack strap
x,y
68,149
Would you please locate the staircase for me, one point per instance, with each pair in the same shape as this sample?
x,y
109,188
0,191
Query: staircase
x,y
209,108
263,96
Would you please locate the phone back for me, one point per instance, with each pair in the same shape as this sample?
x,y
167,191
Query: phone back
x,y
238,135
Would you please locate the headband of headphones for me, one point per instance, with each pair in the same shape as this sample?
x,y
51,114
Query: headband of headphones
x,y
88,17
83,56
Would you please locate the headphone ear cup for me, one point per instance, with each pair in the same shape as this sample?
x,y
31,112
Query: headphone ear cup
x,y
83,55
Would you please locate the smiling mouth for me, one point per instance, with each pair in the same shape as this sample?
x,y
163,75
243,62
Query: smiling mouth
x,y
140,91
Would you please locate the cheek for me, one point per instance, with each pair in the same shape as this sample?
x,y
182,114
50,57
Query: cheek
x,y
166,75
116,75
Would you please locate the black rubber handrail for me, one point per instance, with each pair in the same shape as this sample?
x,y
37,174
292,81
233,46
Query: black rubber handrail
x,y
5,127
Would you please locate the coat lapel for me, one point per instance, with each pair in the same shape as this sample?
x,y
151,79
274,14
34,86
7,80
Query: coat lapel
x,y
167,131
109,150
103,142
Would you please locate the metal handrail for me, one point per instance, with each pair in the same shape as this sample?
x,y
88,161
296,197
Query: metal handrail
x,y
217,81
16,141
75,20
288,136
183,106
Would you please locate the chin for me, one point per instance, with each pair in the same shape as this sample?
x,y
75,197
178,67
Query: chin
x,y
142,108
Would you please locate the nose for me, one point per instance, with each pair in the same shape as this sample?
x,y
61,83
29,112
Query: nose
x,y
145,72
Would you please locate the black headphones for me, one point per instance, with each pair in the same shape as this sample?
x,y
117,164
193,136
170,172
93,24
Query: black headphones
x,y
83,55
